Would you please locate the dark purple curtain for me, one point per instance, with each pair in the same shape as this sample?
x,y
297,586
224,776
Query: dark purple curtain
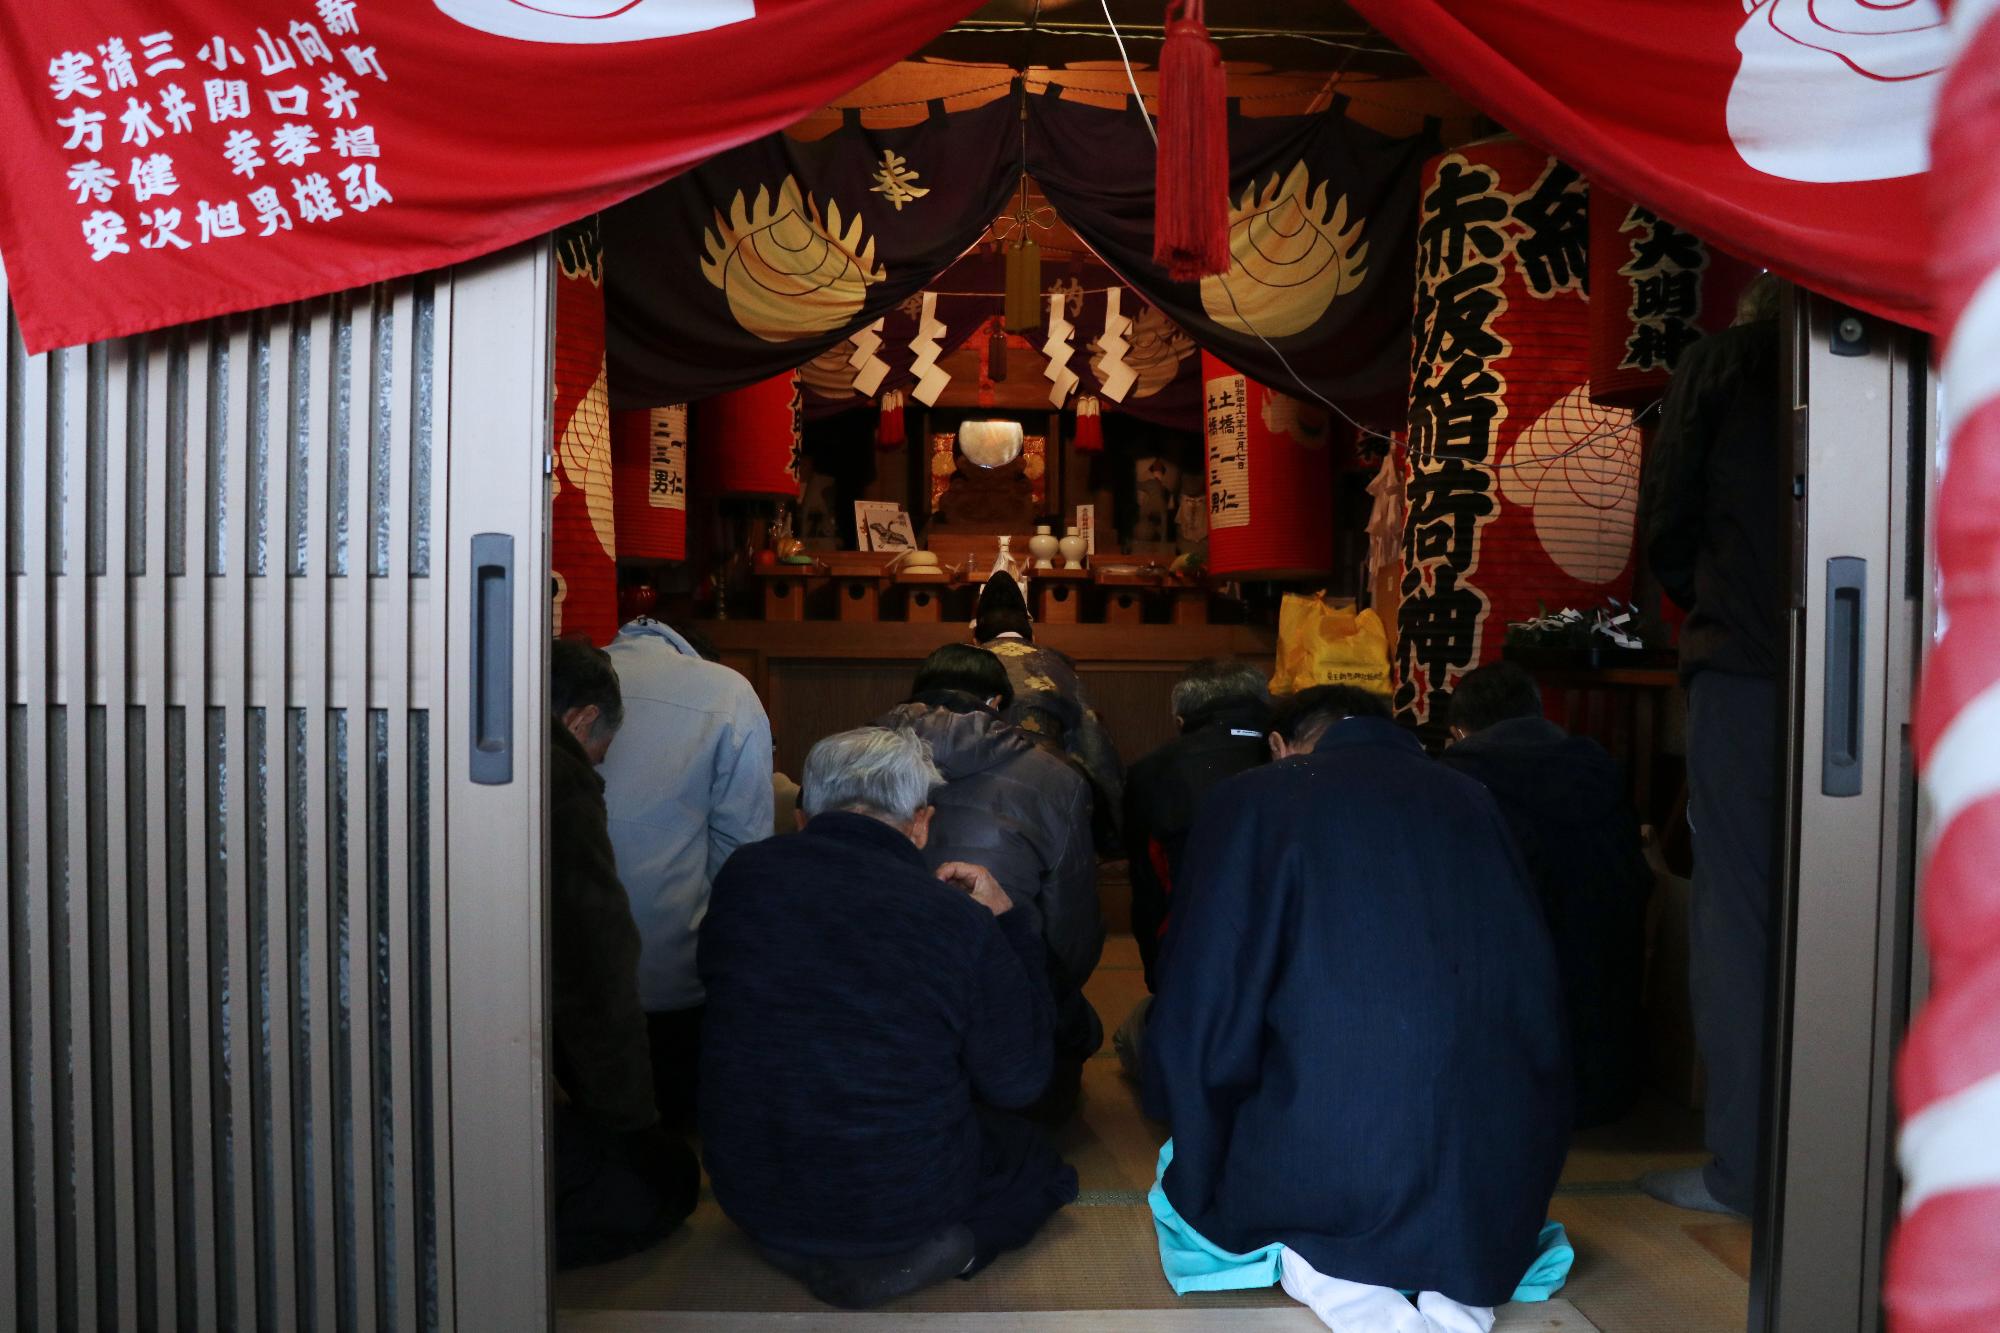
x,y
763,257
1323,227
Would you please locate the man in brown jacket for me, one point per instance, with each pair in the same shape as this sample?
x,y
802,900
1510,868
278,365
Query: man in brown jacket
x,y
622,1181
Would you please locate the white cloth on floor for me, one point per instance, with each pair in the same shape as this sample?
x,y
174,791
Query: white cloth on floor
x,y
1446,1315
1348,1307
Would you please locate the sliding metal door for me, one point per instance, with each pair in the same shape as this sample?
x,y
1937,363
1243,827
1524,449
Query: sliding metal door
x,y
1860,420
234,750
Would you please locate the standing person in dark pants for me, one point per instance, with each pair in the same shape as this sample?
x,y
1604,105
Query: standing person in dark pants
x,y
1715,533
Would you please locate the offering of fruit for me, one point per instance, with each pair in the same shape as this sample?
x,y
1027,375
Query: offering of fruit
x,y
789,547
763,560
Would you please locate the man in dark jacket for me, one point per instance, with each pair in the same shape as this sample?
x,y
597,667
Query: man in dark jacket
x,y
1009,805
622,1182
1358,1041
1563,798
1223,709
1713,506
865,1017
1048,700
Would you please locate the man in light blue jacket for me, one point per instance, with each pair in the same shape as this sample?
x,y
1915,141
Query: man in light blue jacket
x,y
688,783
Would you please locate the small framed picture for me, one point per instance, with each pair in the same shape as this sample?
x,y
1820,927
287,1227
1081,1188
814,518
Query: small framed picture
x,y
882,525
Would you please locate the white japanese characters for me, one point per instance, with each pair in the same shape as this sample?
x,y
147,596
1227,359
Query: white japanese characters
x,y
208,143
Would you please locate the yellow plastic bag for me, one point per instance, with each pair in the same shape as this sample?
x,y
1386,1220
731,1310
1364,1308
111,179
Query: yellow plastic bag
x,y
1327,643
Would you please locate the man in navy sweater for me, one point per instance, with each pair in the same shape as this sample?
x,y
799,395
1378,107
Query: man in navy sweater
x,y
867,1021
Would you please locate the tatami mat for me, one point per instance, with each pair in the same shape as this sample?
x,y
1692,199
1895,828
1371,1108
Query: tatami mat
x,y
1641,1267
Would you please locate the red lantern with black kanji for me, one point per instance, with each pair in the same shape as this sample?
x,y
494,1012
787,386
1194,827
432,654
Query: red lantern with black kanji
x,y
583,545
1654,289
1270,478
1522,491
649,467
748,442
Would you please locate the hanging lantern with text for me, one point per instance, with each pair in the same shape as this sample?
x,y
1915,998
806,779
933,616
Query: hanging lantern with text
x,y
583,545
649,467
1522,492
748,442
1270,479
1654,289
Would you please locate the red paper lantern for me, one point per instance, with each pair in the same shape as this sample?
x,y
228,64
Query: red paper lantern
x,y
1654,289
1522,492
583,545
748,442
1270,479
649,468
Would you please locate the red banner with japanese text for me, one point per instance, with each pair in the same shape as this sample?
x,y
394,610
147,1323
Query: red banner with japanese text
x,y
171,161
1790,132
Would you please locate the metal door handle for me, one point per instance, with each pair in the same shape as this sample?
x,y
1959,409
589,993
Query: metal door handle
x,y
1841,741
491,762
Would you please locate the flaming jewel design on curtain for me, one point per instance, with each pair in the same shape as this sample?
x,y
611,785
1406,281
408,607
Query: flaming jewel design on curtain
x,y
789,271
1290,258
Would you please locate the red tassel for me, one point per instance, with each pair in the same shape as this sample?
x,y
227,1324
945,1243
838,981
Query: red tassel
x,y
1191,178
889,426
1089,425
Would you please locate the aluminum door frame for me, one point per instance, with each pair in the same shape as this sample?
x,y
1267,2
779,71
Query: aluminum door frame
x,y
1859,415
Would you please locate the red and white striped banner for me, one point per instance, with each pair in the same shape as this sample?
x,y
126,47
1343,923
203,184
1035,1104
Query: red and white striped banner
x,y
1944,1265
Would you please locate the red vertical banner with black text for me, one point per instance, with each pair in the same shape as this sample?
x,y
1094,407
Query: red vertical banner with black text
x,y
1522,492
583,546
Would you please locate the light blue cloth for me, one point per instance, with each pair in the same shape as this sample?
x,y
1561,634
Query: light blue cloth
x,y
1193,1263
687,782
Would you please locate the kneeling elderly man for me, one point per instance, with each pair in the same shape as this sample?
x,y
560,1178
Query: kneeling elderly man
x,y
867,1019
1358,1040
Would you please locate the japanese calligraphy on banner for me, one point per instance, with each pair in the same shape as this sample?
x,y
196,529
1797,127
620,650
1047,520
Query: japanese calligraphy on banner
x,y
1655,289
171,162
649,480
1789,132
1522,492
1227,399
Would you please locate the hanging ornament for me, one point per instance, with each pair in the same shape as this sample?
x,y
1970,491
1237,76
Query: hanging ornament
x,y
931,377
1058,350
1270,478
748,441
1089,437
1024,285
869,369
649,471
1115,375
1191,181
889,425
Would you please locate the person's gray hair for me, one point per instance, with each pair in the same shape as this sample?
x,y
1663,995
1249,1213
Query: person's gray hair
x,y
1215,680
879,771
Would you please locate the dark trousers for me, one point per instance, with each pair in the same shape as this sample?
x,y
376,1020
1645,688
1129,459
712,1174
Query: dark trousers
x,y
617,1192
1023,1182
674,1037
1732,804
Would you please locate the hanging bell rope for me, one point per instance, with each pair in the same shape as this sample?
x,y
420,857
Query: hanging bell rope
x,y
1191,177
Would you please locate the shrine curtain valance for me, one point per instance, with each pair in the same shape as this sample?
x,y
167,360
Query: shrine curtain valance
x,y
1790,132
766,256
1322,233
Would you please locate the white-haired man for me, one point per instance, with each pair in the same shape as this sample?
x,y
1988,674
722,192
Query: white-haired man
x,y
866,1017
